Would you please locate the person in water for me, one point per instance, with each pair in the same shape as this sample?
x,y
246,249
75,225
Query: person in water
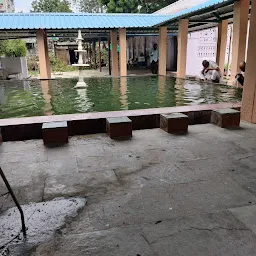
x,y
154,59
211,71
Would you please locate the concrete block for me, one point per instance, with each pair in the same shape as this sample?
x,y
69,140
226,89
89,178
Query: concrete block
x,y
1,137
119,128
55,133
175,123
226,118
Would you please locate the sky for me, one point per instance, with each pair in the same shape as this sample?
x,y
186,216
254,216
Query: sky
x,y
23,5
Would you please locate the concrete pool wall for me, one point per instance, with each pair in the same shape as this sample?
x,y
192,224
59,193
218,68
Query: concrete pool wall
x,y
18,129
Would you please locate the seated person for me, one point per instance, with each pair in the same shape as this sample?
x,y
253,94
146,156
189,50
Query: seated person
x,y
210,71
240,77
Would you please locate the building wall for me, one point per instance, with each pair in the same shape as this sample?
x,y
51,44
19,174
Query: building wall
x,y
144,44
62,53
202,45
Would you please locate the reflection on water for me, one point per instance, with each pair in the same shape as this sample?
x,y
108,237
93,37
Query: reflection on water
x,y
32,98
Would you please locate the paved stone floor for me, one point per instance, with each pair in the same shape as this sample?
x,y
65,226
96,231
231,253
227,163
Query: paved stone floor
x,y
97,73
154,195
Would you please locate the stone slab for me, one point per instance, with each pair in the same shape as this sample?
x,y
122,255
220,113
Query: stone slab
x,y
118,120
246,215
41,220
226,118
54,125
175,123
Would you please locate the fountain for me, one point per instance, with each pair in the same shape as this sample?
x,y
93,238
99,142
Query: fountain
x,y
81,83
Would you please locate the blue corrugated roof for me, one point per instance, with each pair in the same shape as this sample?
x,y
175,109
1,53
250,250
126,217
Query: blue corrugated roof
x,y
78,20
210,3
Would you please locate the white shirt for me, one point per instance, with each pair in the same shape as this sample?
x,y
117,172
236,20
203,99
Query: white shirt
x,y
154,55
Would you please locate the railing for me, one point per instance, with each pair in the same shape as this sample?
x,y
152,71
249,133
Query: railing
x,y
24,231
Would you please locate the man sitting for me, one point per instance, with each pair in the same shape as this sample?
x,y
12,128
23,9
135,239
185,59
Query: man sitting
x,y
240,77
211,71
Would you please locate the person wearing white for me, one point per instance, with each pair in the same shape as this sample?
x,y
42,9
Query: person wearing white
x,y
211,71
154,55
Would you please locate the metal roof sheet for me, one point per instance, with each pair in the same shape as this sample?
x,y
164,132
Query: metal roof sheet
x,y
9,21
193,10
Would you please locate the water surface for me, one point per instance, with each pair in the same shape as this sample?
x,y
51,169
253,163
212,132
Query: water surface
x,y
55,97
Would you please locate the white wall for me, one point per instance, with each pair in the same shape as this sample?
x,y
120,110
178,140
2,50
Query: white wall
x,y
202,45
15,66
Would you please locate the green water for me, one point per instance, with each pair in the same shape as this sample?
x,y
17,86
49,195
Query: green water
x,y
36,98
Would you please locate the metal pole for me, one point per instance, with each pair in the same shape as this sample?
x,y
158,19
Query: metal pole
x,y
15,201
109,56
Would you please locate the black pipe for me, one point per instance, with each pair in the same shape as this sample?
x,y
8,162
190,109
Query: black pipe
x,y
16,202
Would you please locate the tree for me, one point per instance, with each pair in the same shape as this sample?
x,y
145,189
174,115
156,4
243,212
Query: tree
x,y
51,6
13,48
121,6
90,6
142,6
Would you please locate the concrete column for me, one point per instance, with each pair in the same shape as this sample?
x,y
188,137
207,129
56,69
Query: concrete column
x,y
249,91
44,62
241,11
182,48
123,52
114,53
162,51
47,97
222,44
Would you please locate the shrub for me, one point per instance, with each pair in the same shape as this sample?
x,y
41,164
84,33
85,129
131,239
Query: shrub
x,y
13,48
58,65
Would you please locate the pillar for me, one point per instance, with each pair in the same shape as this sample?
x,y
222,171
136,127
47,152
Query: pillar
x,y
240,25
182,48
249,91
44,61
123,52
162,51
222,44
100,56
114,53
47,97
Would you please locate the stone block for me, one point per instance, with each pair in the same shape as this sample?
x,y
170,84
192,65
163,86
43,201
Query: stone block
x,y
119,128
226,118
55,133
176,123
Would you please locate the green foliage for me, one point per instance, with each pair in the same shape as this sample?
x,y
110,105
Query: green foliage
x,y
13,48
58,65
123,6
150,6
51,6
134,6
90,6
